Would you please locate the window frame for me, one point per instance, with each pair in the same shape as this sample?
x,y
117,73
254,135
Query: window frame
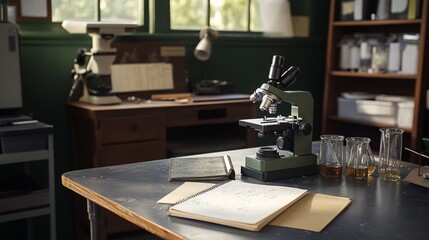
x,y
156,22
159,20
208,19
158,10
141,28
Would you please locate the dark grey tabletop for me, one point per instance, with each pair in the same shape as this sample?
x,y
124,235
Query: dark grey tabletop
x,y
379,209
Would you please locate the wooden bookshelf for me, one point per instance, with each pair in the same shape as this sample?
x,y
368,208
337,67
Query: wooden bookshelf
x,y
338,81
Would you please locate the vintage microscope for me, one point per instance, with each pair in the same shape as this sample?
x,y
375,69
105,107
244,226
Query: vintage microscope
x,y
293,156
96,74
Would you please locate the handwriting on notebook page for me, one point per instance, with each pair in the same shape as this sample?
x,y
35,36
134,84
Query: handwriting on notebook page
x,y
241,202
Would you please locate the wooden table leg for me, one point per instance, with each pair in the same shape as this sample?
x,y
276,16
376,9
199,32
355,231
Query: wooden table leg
x,y
94,221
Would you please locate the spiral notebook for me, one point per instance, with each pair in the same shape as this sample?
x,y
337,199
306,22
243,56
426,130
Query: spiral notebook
x,y
238,204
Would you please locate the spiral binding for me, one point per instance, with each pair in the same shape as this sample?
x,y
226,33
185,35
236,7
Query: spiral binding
x,y
202,192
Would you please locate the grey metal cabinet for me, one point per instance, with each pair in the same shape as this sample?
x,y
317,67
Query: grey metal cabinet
x,y
23,146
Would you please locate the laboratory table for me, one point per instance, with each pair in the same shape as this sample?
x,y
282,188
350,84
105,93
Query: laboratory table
x,y
106,135
379,209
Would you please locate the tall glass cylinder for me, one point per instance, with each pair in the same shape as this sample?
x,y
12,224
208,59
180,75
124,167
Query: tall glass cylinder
x,y
390,153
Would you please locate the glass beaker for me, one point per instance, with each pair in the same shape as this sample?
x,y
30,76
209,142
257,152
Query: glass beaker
x,y
389,165
360,162
331,155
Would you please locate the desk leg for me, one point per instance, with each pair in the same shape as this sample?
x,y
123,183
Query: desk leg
x,y
94,221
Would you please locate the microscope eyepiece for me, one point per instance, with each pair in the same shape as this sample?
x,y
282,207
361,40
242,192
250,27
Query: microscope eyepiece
x,y
277,77
276,68
289,76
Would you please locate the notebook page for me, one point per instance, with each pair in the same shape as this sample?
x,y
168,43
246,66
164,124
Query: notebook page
x,y
183,191
241,202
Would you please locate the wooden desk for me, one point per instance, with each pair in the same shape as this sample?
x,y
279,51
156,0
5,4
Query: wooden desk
x,y
379,209
130,132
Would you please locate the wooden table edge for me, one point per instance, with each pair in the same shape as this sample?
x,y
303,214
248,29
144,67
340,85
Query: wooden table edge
x,y
118,210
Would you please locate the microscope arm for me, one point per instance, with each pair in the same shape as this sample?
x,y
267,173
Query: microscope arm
x,y
301,99
301,106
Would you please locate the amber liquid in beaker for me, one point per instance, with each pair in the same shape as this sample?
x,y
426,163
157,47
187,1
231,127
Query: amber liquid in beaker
x,y
371,170
392,175
330,171
357,173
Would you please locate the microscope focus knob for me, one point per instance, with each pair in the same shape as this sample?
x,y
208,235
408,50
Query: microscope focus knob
x,y
305,128
284,143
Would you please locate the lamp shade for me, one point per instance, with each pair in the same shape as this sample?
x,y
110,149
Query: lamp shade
x,y
203,49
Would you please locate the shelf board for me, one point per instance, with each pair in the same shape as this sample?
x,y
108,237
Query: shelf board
x,y
373,75
15,201
377,22
7,158
25,214
360,122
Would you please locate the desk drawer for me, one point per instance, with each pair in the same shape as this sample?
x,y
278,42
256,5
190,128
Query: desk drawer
x,y
131,152
221,113
129,129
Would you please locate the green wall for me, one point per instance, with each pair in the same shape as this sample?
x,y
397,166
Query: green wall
x,y
47,58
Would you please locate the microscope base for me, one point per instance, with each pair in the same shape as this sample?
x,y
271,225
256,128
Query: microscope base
x,y
286,161
279,174
286,166
100,100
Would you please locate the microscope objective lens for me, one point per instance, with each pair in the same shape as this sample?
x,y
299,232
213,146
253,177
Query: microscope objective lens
x,y
272,109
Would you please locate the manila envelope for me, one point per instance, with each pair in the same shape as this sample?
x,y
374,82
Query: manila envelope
x,y
313,212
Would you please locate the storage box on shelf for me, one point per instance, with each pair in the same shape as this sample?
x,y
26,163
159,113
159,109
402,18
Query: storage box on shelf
x,y
405,115
396,111
410,30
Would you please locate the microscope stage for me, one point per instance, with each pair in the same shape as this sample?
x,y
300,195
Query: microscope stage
x,y
269,124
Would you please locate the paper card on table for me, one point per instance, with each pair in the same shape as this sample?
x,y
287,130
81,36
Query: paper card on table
x,y
142,77
183,191
413,177
313,212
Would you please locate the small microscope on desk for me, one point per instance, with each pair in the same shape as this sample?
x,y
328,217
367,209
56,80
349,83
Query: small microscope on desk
x,y
96,74
293,156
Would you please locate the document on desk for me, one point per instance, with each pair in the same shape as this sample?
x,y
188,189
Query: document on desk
x,y
185,190
142,77
413,177
313,212
238,204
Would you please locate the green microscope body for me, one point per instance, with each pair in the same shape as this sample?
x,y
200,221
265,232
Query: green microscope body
x,y
293,156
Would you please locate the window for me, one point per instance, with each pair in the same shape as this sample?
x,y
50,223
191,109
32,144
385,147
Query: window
x,y
103,10
224,15
237,16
